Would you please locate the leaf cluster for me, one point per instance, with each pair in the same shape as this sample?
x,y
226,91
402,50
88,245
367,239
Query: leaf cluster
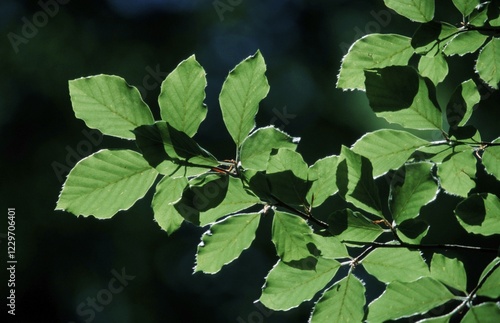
x,y
268,177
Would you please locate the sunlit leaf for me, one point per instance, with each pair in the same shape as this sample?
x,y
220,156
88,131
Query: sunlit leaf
x,y
182,95
291,236
491,159
491,286
433,67
404,299
387,149
347,225
462,101
399,95
329,247
432,37
257,147
488,63
412,187
287,177
323,177
449,271
245,86
456,173
343,302
168,191
464,43
225,241
465,6
106,182
372,51
483,313
480,214
390,264
109,104
415,10
355,182
286,286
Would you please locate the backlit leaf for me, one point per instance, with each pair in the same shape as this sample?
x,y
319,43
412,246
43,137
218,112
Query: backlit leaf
x,y
449,271
106,182
244,88
109,104
355,182
182,95
168,191
491,159
291,236
225,241
433,67
405,299
483,313
464,43
372,51
390,264
323,177
462,101
465,6
456,173
480,214
286,286
347,225
415,10
488,63
343,302
387,149
412,187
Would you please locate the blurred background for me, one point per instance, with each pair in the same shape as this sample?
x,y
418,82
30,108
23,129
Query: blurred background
x,y
68,267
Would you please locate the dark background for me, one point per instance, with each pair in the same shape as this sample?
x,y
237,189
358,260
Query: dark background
x,y
63,260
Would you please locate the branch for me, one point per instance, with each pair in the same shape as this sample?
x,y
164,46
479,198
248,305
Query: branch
x,y
305,216
420,247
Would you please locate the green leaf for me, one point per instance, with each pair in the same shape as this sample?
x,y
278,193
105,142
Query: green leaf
x,y
480,214
491,266
286,286
108,103
245,86
225,241
106,182
437,319
464,43
178,147
491,159
387,149
483,313
456,173
343,302
347,225
431,38
415,10
491,286
412,230
372,51
287,177
182,95
462,101
168,191
399,95
465,6
391,264
433,67
412,187
257,147
405,299
488,63
355,182
215,197
323,177
329,247
449,271
291,236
